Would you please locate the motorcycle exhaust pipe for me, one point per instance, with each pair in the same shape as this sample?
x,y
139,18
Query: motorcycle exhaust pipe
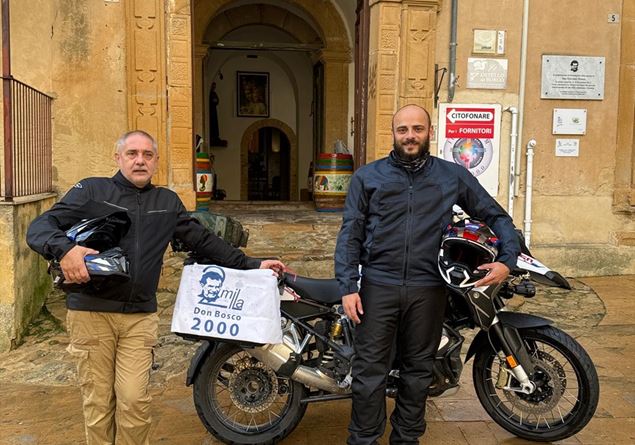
x,y
278,356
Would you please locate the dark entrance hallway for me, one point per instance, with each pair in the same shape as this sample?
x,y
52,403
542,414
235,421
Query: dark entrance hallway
x,y
269,166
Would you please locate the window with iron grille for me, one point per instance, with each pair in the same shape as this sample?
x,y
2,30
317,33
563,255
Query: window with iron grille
x,y
27,155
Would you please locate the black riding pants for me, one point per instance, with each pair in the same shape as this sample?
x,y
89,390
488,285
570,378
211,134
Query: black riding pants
x,y
414,315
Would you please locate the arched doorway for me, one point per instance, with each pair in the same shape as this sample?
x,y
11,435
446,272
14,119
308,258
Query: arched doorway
x,y
268,152
282,41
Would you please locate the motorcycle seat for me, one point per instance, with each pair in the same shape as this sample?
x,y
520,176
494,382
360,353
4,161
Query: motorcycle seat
x,y
324,291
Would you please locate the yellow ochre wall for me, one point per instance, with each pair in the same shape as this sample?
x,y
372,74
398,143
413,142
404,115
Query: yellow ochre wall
x,y
582,207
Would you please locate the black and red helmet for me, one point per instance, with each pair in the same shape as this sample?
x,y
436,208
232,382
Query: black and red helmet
x,y
466,245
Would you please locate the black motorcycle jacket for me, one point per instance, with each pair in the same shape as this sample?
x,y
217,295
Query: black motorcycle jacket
x,y
394,219
157,215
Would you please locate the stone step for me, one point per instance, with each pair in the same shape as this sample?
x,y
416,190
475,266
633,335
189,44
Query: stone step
x,y
222,206
290,230
301,237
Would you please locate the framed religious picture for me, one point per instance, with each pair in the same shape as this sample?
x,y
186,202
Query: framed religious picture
x,y
253,94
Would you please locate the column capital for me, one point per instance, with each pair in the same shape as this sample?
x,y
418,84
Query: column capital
x,y
325,55
200,50
425,3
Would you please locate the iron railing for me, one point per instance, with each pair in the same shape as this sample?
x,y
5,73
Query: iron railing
x,y
28,144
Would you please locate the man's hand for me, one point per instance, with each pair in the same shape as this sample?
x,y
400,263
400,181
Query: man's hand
x,y
497,272
276,266
352,306
73,265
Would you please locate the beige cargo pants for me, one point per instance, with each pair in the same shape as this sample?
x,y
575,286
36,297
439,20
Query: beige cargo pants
x,y
114,353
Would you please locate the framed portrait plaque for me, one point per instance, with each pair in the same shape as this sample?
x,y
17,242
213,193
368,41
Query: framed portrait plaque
x,y
253,94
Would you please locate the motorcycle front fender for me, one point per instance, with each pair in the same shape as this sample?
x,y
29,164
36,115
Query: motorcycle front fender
x,y
203,350
516,320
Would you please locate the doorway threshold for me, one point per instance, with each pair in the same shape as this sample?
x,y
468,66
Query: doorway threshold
x,y
219,206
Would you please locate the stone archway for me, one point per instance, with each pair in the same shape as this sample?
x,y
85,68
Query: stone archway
x,y
244,162
336,54
261,14
324,14
228,20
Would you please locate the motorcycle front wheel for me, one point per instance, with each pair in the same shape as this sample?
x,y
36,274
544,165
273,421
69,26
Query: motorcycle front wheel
x,y
240,400
567,388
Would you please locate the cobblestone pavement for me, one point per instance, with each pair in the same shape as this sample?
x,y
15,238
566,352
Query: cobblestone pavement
x,y
40,403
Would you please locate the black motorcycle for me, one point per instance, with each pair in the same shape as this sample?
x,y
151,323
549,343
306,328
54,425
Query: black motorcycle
x,y
533,379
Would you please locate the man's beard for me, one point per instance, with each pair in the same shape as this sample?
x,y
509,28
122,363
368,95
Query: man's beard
x,y
423,150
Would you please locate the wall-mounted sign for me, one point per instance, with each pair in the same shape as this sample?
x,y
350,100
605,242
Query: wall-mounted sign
x,y
488,41
490,74
572,77
500,42
469,135
484,41
569,121
568,147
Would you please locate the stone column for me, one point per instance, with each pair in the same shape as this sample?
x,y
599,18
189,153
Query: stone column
x,y
401,64
146,74
418,35
624,193
198,87
336,65
179,88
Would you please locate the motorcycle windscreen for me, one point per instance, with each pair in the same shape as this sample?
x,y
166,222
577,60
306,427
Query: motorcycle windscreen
x,y
541,273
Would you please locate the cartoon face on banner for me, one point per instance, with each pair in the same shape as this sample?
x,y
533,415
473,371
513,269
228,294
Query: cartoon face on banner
x,y
212,291
472,153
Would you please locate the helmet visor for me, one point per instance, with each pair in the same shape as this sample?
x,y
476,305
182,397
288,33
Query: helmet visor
x,y
469,254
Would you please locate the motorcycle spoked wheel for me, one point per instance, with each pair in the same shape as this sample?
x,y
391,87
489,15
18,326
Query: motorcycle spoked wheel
x,y
242,401
567,388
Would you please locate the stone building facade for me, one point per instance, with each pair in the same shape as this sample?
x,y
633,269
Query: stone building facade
x,y
114,65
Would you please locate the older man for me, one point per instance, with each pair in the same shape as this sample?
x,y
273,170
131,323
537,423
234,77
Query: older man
x,y
112,334
395,212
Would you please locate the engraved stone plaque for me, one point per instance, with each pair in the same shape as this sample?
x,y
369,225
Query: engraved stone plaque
x,y
572,77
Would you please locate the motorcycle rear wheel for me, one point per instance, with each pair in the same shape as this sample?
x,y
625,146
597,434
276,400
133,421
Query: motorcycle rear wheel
x,y
567,388
242,401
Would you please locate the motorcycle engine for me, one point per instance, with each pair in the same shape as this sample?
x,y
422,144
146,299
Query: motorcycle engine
x,y
447,363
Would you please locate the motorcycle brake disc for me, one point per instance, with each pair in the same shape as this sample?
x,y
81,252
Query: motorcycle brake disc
x,y
549,388
253,387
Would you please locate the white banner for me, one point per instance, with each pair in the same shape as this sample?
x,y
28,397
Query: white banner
x,y
231,304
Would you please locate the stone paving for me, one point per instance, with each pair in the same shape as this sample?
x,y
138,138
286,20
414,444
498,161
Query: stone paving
x,y
40,403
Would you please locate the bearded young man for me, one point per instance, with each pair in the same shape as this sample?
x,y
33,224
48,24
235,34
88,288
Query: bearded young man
x,y
396,210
